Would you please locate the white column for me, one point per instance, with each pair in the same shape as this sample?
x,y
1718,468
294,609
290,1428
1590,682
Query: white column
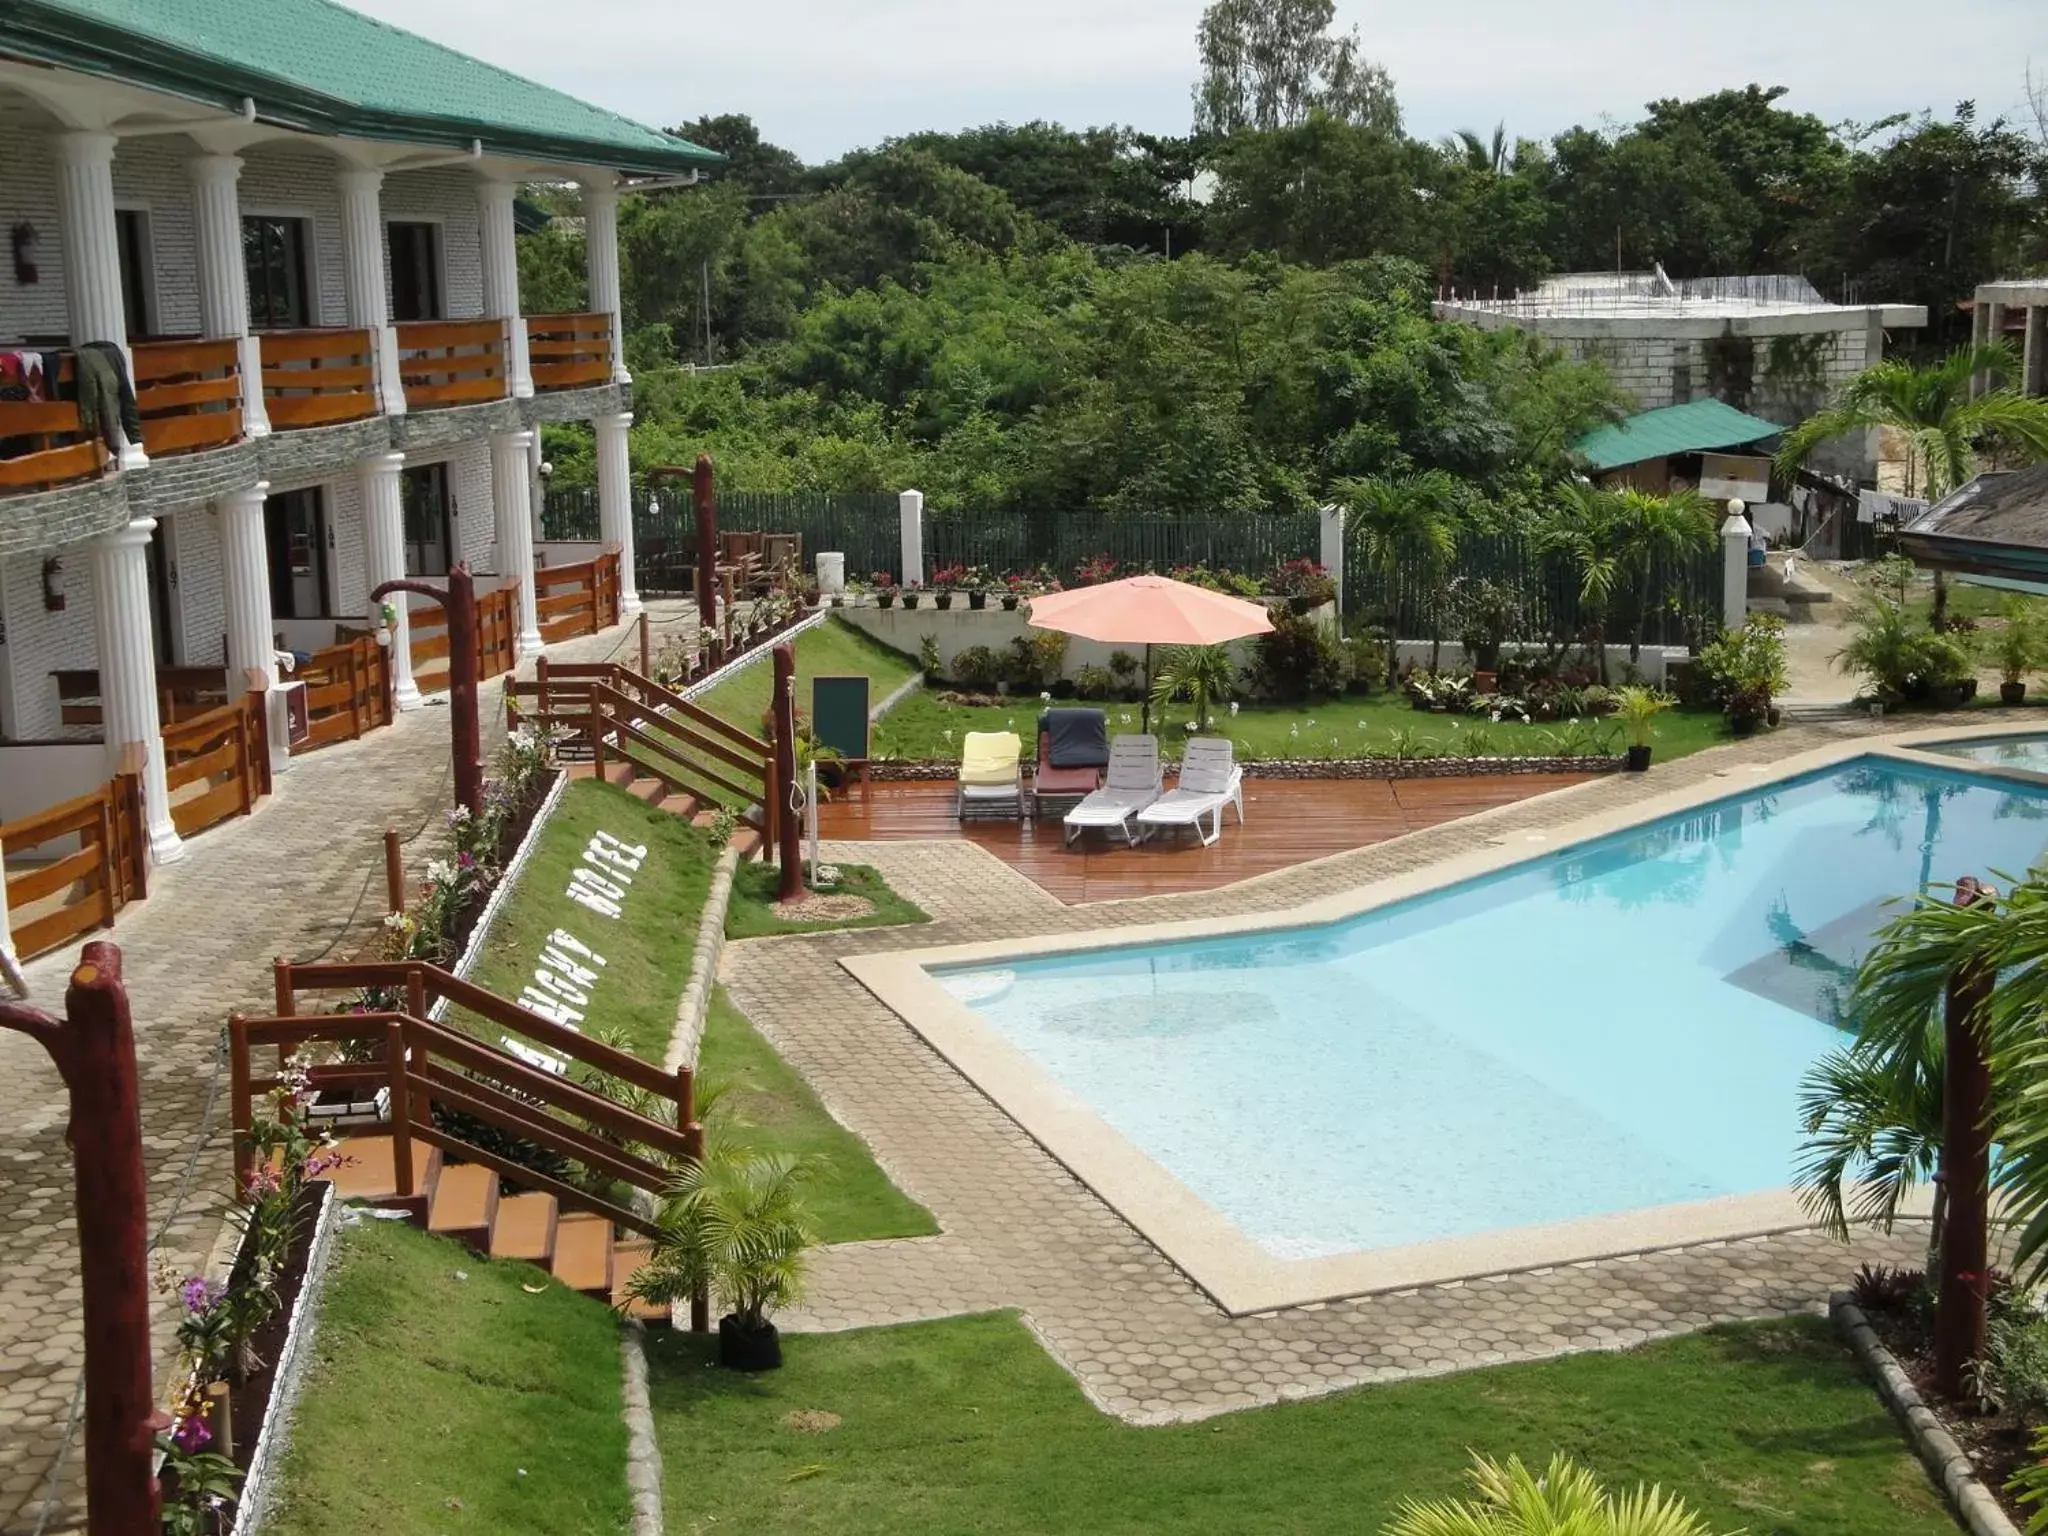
x,y
601,261
223,276
510,499
2034,359
1735,568
384,560
252,636
1332,545
910,515
128,715
497,237
615,501
92,251
1980,333
362,267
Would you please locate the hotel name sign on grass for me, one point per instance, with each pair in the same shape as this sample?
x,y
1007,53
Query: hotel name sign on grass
x,y
569,969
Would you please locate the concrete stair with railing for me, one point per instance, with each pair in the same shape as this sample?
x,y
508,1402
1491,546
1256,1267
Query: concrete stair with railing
x,y
746,840
466,1202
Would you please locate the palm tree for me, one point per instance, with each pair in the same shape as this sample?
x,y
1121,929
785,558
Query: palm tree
x,y
1202,674
1660,530
1513,1501
1476,154
1587,526
1943,426
1407,530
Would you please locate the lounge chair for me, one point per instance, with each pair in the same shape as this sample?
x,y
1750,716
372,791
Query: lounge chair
x,y
1131,785
1209,780
1073,751
991,776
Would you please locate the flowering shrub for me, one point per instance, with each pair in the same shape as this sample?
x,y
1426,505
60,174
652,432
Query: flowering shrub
x,y
947,577
882,581
1305,579
1097,569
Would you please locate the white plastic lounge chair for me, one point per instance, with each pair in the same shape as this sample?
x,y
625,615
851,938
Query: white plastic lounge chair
x,y
991,776
1131,785
1209,780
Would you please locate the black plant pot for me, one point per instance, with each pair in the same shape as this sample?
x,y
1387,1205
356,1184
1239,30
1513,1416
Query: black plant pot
x,y
2012,693
977,601
1744,725
1638,759
1299,605
943,600
743,1349
1009,605
910,600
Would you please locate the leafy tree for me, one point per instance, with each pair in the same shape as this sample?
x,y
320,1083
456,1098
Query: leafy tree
x,y
1319,191
1407,529
1658,532
765,170
1270,64
1593,530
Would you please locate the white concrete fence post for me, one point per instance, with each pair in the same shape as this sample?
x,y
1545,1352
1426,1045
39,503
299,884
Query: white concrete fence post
x,y
1735,568
910,511
1333,553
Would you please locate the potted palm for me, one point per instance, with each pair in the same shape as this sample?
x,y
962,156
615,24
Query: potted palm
x,y
2017,648
1638,708
734,1224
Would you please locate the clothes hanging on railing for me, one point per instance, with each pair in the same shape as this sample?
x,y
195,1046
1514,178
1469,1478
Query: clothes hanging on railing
x,y
106,400
24,375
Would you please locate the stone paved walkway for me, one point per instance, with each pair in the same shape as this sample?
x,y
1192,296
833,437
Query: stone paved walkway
x,y
302,875
1019,1231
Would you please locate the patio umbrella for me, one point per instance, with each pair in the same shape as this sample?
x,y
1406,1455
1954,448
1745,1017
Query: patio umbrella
x,y
1149,611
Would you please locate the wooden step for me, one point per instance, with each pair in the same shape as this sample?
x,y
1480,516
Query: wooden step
x,y
368,1171
650,790
618,771
628,1254
685,806
747,843
465,1204
583,1254
525,1228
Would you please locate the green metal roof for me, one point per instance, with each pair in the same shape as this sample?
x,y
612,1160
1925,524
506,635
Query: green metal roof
x,y
1700,426
320,67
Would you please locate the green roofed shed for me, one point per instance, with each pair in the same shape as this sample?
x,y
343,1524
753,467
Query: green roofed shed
x,y
322,68
1699,426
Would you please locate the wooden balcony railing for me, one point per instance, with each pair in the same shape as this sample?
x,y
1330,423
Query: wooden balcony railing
x,y
578,599
348,692
569,351
497,633
451,362
189,394
182,693
56,892
43,443
315,378
217,764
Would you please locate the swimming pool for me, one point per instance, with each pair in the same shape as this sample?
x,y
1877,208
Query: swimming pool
x,y
2018,751
1572,1042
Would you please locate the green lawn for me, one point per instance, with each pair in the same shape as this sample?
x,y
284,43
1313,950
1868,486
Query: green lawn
x,y
967,1425
830,649
752,914
647,950
851,1198
1354,726
439,1405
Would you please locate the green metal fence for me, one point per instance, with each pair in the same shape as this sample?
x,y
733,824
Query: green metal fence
x,y
1684,595
1251,543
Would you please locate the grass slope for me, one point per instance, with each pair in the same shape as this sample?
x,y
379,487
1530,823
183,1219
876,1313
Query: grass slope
x,y
752,913
851,1197
647,950
439,1405
829,649
918,729
966,1425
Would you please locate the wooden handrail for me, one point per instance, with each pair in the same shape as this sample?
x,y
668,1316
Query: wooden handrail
x,y
569,351
335,378
106,872
60,450
519,1173
452,362
189,394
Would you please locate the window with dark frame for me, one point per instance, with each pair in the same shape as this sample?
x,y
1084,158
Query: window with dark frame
x,y
138,289
429,521
415,249
274,255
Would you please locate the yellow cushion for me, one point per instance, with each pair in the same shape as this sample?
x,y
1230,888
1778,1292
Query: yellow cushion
x,y
990,757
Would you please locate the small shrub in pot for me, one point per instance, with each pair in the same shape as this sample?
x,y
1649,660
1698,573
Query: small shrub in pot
x,y
1638,709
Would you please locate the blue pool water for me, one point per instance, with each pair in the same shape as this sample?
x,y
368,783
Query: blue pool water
x,y
1618,1025
2012,751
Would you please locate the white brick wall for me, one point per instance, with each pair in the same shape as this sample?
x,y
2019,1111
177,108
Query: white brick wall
x,y
446,197
40,642
150,174
28,194
345,556
194,549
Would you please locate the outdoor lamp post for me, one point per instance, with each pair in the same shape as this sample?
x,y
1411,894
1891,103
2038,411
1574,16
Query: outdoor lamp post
x,y
465,734
93,1047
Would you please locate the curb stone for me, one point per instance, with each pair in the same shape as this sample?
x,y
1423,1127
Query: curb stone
x,y
710,944
1946,1462
643,1452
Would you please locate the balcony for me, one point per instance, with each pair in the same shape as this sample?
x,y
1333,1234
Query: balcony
x,y
189,393
569,351
43,444
315,378
452,362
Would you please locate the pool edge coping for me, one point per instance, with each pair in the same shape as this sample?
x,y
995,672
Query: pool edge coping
x,y
1239,1275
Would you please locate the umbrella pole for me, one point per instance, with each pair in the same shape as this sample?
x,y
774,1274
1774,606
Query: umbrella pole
x,y
1147,717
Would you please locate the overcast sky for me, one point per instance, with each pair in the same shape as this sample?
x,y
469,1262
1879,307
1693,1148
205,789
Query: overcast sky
x,y
822,76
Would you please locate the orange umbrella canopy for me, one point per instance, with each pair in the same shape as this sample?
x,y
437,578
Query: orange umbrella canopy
x,y
1149,610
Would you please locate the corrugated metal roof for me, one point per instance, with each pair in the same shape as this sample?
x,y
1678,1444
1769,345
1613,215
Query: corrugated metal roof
x,y
1699,426
320,66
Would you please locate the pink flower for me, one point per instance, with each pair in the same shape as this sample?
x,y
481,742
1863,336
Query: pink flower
x,y
192,1435
199,1295
263,1181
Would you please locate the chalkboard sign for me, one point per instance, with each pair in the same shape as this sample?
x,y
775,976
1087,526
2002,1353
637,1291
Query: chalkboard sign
x,y
839,715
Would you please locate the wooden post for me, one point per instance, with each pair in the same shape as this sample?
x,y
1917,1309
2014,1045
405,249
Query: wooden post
x,y
790,851
238,1096
704,492
700,1300
394,873
93,1047
281,982
401,1111
646,647
1965,1170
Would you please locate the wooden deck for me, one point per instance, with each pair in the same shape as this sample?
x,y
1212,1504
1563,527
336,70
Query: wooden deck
x,y
1287,822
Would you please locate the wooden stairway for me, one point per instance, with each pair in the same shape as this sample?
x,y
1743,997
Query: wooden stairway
x,y
746,838
463,1201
